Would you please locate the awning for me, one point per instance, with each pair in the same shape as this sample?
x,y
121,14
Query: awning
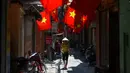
x,y
59,34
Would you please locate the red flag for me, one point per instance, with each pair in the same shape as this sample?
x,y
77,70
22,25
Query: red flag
x,y
84,19
78,28
44,24
89,18
70,17
85,6
79,22
50,5
55,15
75,20
44,3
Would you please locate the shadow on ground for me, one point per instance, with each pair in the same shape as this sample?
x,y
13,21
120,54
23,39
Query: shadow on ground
x,y
78,65
81,69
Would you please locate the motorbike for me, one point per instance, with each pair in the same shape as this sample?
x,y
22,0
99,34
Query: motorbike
x,y
82,49
21,63
33,64
90,55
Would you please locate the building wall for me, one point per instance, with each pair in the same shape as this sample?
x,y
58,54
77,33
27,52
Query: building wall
x,y
15,28
102,46
114,41
28,32
92,29
124,36
15,21
7,58
42,41
3,45
21,33
39,36
104,60
90,35
97,40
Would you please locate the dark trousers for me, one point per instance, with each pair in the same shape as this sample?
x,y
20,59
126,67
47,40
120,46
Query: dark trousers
x,y
65,56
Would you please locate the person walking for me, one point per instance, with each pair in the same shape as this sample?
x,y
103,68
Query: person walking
x,y
57,47
65,51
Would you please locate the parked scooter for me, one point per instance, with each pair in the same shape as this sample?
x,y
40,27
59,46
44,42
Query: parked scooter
x,y
90,55
33,64
82,49
21,63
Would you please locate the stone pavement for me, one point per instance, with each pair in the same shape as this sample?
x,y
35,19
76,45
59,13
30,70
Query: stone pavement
x,y
76,64
53,67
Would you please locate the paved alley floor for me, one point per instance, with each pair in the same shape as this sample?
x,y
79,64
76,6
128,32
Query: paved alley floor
x,y
76,64
51,68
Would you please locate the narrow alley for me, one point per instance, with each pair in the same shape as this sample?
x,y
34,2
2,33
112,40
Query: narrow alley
x,y
76,64
33,33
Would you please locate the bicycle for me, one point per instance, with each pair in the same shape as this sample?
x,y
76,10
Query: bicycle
x,y
39,63
33,64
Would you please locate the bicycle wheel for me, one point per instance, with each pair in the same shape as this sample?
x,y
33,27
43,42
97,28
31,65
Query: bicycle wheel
x,y
41,68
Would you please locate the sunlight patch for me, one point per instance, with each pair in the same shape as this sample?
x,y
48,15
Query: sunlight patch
x,y
70,69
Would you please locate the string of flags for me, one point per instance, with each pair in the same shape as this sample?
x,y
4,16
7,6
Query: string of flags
x,y
75,16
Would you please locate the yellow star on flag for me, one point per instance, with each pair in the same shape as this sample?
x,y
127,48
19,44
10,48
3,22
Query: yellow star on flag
x,y
84,19
78,26
54,11
44,20
72,14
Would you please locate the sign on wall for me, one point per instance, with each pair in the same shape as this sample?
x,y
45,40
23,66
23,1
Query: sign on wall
x,y
48,40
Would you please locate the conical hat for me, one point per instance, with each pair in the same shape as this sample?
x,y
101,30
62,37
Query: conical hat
x,y
65,39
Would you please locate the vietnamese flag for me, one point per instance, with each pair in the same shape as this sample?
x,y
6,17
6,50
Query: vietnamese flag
x,y
84,19
90,17
78,28
50,5
79,19
44,3
80,25
45,23
70,17
75,19
54,14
